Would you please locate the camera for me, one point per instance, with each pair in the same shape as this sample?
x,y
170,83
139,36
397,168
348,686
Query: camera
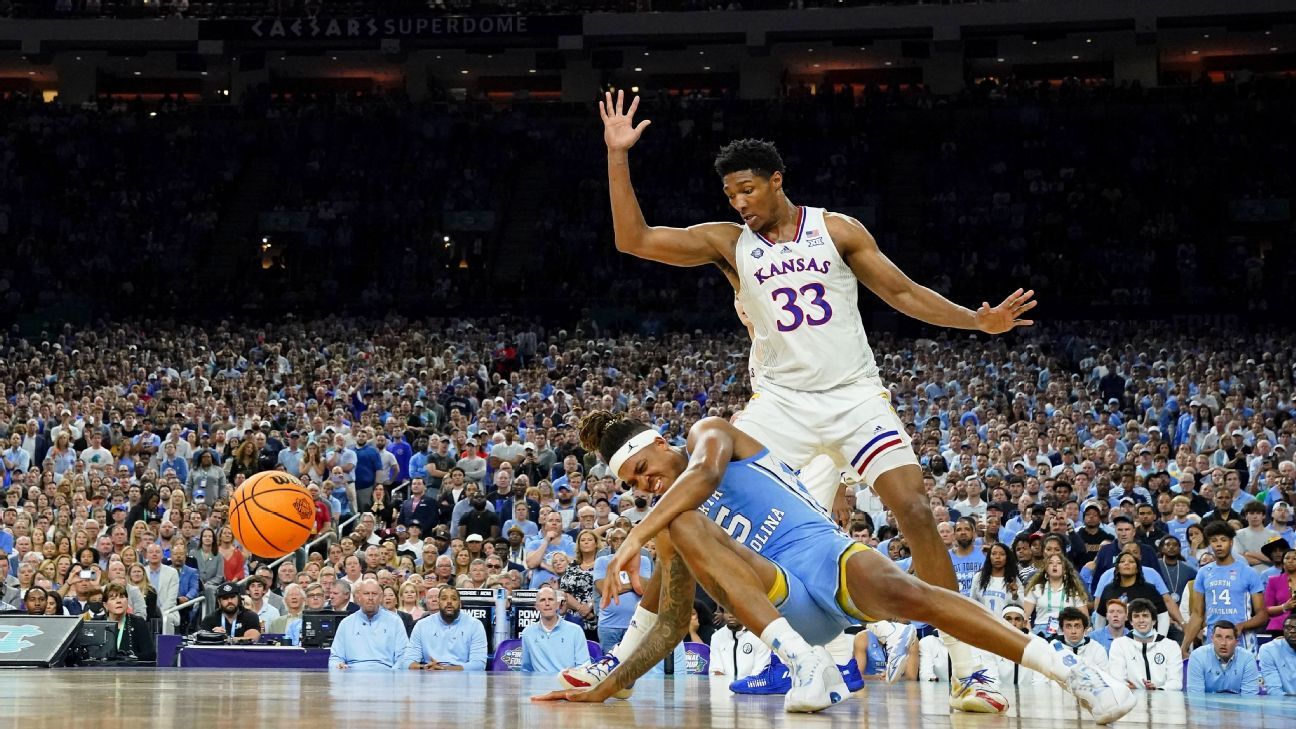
x,y
87,574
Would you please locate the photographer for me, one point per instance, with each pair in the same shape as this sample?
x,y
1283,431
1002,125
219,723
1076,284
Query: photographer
x,y
84,582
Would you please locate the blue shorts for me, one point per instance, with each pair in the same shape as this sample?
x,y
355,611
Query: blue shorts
x,y
815,602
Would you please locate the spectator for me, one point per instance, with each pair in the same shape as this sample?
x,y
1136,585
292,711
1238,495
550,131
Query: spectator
x,y
521,520
135,640
339,597
211,567
1251,539
998,583
256,602
1009,673
1055,587
164,580
1280,591
1144,658
1074,638
294,597
539,547
1222,667
1116,611
614,618
552,644
1278,661
449,640
371,638
1125,535
735,651
231,618
420,508
368,464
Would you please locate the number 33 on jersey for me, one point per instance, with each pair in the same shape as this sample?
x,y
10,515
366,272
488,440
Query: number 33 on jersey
x,y
802,300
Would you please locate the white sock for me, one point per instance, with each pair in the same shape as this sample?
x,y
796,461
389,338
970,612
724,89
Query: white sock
x,y
841,648
640,624
1040,656
960,656
783,640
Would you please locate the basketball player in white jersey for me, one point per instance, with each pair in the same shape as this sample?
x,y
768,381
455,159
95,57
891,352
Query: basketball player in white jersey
x,y
796,272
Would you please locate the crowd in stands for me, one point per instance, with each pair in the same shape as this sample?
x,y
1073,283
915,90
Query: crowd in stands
x,y
1073,474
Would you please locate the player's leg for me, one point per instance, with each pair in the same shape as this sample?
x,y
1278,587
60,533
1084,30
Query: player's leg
x,y
641,624
747,585
880,589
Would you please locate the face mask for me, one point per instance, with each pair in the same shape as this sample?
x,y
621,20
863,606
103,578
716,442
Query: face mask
x,y
641,503
1140,635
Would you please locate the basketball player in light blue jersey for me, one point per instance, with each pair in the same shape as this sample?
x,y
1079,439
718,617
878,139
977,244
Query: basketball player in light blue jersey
x,y
737,519
1226,589
796,271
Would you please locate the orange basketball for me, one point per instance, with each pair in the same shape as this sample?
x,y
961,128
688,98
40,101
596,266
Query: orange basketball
x,y
271,514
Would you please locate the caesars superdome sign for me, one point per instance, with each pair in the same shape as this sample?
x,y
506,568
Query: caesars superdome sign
x,y
362,28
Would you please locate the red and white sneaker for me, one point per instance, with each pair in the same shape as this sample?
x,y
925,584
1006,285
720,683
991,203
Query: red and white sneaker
x,y
592,674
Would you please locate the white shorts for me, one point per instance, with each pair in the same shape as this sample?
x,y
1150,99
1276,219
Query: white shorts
x,y
853,426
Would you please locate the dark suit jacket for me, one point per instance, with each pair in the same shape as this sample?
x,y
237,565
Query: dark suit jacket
x,y
138,640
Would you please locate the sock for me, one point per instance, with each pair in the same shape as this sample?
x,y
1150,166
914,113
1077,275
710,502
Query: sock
x,y
783,640
841,648
960,654
1040,656
640,624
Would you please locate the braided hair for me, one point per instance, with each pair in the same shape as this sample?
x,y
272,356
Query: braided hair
x,y
605,432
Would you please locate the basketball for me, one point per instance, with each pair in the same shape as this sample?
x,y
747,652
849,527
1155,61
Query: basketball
x,y
271,514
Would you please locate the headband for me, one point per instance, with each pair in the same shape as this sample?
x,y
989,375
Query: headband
x,y
637,442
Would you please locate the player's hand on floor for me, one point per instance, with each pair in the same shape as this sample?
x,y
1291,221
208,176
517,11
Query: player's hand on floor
x,y
580,696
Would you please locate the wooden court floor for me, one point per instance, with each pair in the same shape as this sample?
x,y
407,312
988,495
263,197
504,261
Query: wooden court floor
x,y
197,699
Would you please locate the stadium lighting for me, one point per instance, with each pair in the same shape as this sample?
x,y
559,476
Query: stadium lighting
x,y
137,73
1075,58
1000,60
464,71
634,89
706,68
639,68
531,70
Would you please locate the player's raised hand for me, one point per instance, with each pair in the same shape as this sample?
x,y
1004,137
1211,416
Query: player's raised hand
x,y
619,130
1006,316
626,559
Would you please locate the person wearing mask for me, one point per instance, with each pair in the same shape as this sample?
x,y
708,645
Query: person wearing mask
x,y
1073,638
448,640
552,644
371,638
1221,667
1144,658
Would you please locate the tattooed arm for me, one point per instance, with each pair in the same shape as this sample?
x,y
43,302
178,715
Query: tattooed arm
x,y
674,609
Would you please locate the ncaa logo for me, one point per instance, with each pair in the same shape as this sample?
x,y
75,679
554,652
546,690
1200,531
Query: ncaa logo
x,y
758,252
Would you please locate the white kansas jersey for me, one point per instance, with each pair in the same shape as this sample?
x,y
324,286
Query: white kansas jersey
x,y
802,299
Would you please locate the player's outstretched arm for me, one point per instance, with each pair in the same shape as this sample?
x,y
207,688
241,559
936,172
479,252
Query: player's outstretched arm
x,y
692,246
674,608
873,269
711,446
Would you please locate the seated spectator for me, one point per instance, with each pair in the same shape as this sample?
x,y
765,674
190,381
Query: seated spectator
x,y
447,640
552,644
36,600
1145,659
539,547
1075,623
1280,589
257,603
735,651
339,597
294,597
1222,667
231,618
521,519
1115,627
84,583
134,639
1009,673
371,638
1278,661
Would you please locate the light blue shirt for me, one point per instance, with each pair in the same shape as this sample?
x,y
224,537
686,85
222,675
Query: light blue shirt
x,y
292,633
461,643
291,460
1207,675
1278,667
550,651
368,644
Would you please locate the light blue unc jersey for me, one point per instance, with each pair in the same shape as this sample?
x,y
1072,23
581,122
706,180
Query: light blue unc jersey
x,y
761,504
802,300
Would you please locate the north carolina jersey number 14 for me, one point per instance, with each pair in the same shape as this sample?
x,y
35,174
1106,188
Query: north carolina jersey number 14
x,y
812,291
